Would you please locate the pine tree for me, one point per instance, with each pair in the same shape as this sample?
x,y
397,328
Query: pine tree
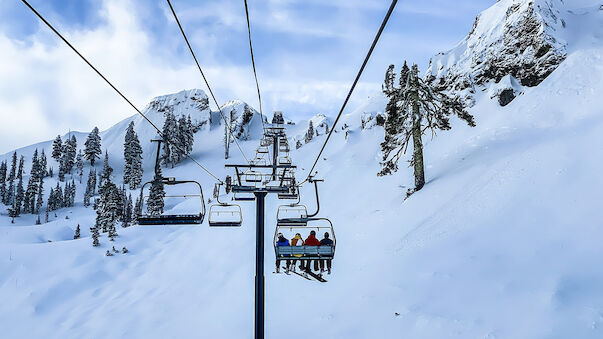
x,y
19,197
57,149
92,145
107,211
171,140
38,221
90,187
412,110
79,164
40,197
51,172
155,203
77,232
69,154
94,231
129,209
43,165
298,144
309,132
106,172
20,170
3,171
32,185
46,217
133,158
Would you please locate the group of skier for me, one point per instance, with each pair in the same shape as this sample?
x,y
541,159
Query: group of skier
x,y
311,240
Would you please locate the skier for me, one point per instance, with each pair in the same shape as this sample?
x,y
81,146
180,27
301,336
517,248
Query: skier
x,y
312,241
297,241
282,241
326,242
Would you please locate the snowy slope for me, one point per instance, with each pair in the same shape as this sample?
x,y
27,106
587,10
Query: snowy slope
x,y
504,241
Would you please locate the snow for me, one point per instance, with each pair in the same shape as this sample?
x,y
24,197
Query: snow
x,y
504,241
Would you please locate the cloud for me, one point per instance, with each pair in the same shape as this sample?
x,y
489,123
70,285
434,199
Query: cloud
x,y
307,54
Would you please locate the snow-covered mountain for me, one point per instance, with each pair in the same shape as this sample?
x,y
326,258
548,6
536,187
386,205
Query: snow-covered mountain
x,y
504,240
517,42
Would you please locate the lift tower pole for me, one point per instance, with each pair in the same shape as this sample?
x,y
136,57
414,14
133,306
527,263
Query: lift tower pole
x,y
260,197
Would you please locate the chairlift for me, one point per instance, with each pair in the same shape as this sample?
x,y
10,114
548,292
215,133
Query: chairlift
x,y
172,219
223,214
306,252
284,160
292,215
263,149
253,176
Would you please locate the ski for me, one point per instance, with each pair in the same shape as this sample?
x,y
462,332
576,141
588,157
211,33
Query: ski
x,y
316,276
294,272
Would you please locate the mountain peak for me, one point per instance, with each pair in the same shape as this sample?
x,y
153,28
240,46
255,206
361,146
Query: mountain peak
x,y
520,38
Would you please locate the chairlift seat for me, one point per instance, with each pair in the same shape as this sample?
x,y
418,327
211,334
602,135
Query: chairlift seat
x,y
170,219
303,252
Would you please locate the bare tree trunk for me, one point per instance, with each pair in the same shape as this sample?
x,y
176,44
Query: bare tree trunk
x,y
418,147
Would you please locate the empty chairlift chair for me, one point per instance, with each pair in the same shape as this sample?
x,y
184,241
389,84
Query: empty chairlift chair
x,y
225,215
174,219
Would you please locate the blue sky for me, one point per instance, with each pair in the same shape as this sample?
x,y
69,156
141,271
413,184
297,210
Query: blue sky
x,y
307,54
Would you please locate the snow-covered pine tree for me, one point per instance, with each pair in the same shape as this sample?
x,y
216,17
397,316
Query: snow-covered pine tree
x,y
69,154
133,158
3,171
309,132
29,199
298,144
92,146
20,195
171,147
57,148
77,232
21,165
94,231
155,201
190,135
40,196
107,211
51,172
79,164
106,172
413,109
43,165
90,187
127,218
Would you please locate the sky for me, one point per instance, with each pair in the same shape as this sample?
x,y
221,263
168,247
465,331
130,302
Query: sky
x,y
307,55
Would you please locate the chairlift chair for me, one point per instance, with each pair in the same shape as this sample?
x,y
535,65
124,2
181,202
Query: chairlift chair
x,y
292,215
263,149
173,219
223,214
305,252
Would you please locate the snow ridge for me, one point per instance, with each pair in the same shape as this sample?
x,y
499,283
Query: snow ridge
x,y
521,38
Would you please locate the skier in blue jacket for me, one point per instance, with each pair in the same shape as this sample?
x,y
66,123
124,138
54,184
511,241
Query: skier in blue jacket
x,y
326,242
281,241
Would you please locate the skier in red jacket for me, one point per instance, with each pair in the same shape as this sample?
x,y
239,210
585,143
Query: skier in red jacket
x,y
312,241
